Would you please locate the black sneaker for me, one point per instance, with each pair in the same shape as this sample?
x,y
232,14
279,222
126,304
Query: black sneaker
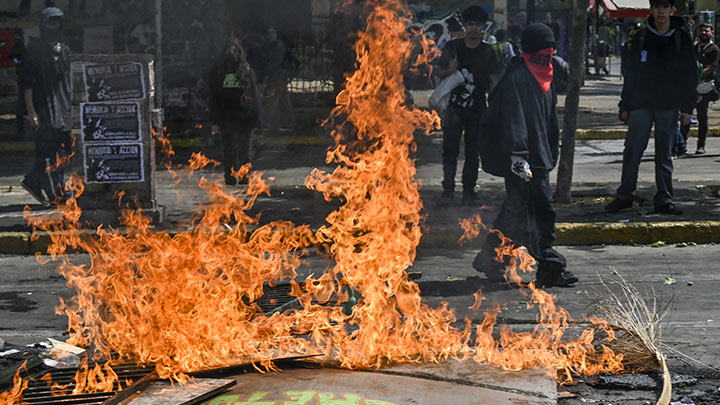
x,y
617,205
668,209
36,193
493,270
700,151
562,279
469,198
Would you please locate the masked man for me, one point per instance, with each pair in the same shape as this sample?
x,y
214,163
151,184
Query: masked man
x,y
44,78
519,141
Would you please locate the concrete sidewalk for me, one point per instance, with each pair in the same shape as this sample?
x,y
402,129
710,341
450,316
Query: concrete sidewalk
x,y
582,222
598,161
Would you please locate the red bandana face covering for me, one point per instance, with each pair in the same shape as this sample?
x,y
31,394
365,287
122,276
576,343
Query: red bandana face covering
x,y
540,65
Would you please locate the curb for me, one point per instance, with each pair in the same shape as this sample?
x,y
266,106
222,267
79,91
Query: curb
x,y
28,147
442,237
619,133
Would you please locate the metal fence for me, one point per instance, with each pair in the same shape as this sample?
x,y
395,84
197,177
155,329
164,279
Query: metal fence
x,y
316,71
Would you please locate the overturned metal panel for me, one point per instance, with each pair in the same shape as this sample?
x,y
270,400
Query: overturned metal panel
x,y
372,388
194,392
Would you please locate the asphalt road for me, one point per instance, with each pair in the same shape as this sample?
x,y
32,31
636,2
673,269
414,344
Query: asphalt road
x,y
29,291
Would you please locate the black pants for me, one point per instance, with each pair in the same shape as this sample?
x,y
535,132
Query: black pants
x,y
47,173
528,219
702,118
236,146
456,121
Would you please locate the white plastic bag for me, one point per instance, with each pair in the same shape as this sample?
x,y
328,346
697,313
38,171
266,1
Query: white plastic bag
x,y
440,98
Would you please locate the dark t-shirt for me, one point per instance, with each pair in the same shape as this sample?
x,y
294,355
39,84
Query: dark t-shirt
x,y
476,65
708,55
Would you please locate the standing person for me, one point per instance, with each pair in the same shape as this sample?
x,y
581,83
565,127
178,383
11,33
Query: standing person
x,y
504,51
475,60
659,82
44,78
601,61
520,142
233,106
278,108
708,54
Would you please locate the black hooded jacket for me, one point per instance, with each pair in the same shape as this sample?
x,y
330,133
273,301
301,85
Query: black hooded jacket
x,y
521,120
661,70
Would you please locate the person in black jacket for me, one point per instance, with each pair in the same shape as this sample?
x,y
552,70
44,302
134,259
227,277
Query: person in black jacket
x,y
234,106
708,54
520,142
44,78
660,80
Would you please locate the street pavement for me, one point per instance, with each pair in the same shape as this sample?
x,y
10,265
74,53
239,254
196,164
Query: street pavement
x,y
684,274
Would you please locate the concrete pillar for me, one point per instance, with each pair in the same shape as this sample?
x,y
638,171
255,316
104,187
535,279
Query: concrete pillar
x,y
500,13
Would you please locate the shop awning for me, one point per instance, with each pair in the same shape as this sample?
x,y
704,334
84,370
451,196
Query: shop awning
x,y
623,8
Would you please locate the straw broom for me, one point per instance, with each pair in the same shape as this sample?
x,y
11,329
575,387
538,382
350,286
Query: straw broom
x,y
637,328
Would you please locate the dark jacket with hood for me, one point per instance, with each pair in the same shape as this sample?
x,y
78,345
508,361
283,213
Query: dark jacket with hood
x,y
520,120
48,75
660,70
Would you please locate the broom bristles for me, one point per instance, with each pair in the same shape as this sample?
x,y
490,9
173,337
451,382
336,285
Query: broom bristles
x,y
636,329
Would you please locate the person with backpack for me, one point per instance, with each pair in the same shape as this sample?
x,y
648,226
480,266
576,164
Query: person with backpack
x,y
519,141
234,106
659,83
504,51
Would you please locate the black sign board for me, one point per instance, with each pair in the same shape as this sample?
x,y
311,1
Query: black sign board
x,y
114,81
113,163
106,122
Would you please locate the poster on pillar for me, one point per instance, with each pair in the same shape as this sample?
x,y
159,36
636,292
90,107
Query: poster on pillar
x,y
114,163
110,122
114,81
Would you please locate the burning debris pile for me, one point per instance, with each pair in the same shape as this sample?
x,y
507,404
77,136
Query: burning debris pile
x,y
186,302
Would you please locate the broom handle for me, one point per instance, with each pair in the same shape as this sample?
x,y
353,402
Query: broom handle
x,y
666,394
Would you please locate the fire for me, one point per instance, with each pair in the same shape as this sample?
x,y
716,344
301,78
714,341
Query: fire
x,y
14,395
185,302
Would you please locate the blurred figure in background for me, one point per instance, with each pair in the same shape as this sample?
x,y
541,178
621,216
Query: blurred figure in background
x,y
503,51
708,55
234,106
44,78
278,109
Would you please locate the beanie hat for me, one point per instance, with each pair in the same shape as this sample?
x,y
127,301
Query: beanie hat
x,y
475,13
537,36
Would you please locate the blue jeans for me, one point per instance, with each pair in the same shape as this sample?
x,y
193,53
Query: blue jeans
x,y
640,124
680,143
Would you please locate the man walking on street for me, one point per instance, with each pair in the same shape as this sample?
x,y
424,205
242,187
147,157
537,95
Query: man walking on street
x,y
475,60
44,78
519,141
708,55
659,81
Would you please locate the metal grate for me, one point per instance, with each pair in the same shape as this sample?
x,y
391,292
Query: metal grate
x,y
38,392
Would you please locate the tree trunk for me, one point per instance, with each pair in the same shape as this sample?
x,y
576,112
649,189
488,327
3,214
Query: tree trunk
x,y
576,59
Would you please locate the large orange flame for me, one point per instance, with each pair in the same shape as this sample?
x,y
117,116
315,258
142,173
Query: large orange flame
x,y
185,302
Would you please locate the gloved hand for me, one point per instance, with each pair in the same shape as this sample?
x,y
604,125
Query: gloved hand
x,y
521,168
